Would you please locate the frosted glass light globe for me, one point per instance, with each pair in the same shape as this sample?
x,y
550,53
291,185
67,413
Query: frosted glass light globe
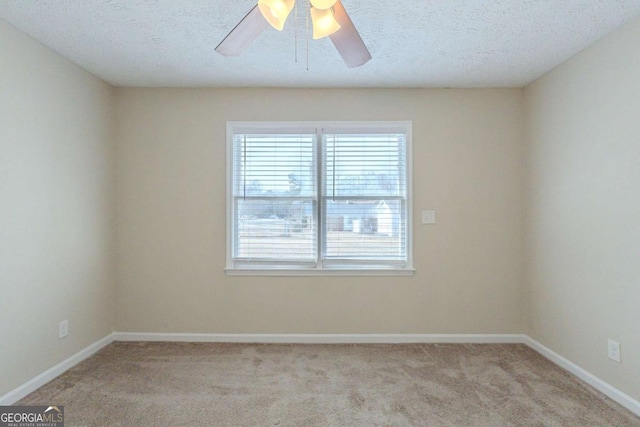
x,y
276,11
323,4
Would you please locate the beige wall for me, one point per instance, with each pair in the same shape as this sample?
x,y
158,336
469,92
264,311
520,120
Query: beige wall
x,y
171,216
56,224
583,208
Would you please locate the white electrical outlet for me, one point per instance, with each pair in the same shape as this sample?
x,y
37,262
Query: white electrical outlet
x,y
614,351
63,329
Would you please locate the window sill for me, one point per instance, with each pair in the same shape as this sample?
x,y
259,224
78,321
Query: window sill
x,y
350,272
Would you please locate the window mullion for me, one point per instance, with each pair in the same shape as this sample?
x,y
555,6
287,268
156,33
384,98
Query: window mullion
x,y
320,239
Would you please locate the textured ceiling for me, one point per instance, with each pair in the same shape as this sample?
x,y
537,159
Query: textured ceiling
x,y
432,43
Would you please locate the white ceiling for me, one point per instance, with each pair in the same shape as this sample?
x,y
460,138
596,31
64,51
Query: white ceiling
x,y
432,43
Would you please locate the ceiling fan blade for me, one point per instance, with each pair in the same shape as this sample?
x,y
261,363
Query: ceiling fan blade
x,y
347,40
243,34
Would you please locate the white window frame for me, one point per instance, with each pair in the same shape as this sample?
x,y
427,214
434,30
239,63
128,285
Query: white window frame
x,y
317,127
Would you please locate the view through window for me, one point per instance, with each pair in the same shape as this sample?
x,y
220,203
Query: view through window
x,y
319,197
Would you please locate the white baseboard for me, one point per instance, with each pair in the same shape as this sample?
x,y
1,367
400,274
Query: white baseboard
x,y
600,385
37,382
324,338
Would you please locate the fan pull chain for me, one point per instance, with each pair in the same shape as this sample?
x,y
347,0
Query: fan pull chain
x,y
295,31
307,37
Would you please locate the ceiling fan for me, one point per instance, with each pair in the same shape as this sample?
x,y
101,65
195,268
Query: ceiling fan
x,y
329,18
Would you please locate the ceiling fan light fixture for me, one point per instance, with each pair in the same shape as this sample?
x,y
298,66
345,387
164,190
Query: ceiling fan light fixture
x,y
324,23
323,4
333,22
276,11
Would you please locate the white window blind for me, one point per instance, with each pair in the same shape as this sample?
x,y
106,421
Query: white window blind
x,y
364,198
308,199
275,201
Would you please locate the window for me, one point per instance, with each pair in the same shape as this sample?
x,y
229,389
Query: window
x,y
308,198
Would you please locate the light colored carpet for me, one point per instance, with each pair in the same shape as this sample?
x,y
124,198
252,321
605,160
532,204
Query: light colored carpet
x,y
186,384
